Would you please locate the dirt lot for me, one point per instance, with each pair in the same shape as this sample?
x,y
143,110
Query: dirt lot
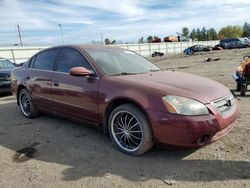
x,y
70,155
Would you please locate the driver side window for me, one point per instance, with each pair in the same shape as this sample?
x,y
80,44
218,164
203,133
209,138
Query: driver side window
x,y
70,58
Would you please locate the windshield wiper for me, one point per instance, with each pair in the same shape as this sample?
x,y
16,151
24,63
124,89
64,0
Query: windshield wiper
x,y
123,73
156,70
129,73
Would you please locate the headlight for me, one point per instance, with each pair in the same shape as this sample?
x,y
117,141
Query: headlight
x,y
184,106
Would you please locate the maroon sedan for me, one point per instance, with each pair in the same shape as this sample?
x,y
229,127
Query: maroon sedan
x,y
126,96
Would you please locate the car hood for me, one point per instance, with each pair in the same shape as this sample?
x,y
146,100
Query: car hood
x,y
180,84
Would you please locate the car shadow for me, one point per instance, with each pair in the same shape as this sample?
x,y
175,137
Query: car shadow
x,y
89,153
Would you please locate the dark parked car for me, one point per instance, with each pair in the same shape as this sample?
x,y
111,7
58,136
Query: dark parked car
x,y
237,44
197,48
126,96
224,42
5,71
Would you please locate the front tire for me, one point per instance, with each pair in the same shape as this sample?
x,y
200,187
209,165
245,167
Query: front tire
x,y
26,106
130,130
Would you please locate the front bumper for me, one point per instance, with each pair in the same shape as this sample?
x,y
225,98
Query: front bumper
x,y
191,131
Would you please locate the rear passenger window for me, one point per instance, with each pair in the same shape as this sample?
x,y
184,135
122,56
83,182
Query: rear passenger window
x,y
45,60
70,58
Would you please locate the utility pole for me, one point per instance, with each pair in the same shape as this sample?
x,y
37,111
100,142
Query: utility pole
x,y
60,26
102,39
20,37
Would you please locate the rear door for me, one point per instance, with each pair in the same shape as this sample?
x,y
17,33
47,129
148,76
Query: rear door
x,y
74,96
38,77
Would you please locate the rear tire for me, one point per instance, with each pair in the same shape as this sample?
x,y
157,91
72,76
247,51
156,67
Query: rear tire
x,y
130,130
26,106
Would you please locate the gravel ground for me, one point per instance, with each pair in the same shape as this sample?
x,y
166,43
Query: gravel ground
x,y
62,153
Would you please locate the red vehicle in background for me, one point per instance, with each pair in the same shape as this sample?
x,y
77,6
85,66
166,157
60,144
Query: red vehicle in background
x,y
156,40
171,39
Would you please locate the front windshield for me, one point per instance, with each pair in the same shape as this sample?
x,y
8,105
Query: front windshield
x,y
5,64
120,61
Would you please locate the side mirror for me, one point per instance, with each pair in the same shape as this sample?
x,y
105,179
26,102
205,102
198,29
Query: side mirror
x,y
81,72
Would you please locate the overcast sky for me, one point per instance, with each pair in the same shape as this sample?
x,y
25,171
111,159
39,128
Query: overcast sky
x,y
126,20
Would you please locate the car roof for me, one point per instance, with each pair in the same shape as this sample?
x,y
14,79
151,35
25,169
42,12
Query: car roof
x,y
81,47
86,46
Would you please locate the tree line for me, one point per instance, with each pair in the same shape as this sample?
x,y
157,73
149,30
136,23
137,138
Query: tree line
x,y
202,34
211,34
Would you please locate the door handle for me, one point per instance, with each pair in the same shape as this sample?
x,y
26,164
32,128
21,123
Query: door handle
x,y
56,83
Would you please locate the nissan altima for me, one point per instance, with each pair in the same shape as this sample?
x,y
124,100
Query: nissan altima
x,y
126,96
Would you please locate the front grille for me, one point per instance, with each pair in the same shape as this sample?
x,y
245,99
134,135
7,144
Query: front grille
x,y
224,104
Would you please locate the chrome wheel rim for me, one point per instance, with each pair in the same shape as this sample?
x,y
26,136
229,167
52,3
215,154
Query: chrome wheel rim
x,y
24,103
126,131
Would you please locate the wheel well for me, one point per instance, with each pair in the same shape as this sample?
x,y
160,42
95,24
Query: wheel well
x,y
18,90
112,106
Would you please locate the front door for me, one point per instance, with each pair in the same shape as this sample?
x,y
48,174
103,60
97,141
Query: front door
x,y
71,95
